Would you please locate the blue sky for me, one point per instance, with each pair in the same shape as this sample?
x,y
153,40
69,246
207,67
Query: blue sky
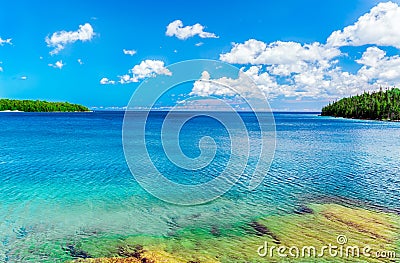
x,y
252,35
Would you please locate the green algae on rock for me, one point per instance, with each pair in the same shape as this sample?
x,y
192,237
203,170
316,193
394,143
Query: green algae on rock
x,y
327,222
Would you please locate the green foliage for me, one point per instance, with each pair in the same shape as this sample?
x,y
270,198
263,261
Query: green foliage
x,y
380,105
39,106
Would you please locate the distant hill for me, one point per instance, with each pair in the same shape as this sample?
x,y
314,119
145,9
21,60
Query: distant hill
x,y
380,105
39,106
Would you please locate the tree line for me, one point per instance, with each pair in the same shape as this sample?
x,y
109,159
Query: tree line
x,y
379,105
39,106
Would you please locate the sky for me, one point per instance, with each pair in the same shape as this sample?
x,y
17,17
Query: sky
x,y
301,54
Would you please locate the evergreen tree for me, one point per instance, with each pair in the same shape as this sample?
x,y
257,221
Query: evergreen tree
x,y
381,105
39,106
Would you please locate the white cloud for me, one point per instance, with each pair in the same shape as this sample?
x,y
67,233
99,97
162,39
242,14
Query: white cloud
x,y
264,80
297,70
243,85
147,68
60,39
300,70
5,41
24,78
126,78
317,82
199,44
204,87
288,69
105,81
292,69
377,66
312,81
79,61
379,27
177,29
130,52
59,64
256,52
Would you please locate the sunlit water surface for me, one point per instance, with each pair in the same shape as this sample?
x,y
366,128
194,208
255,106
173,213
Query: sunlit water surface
x,y
63,176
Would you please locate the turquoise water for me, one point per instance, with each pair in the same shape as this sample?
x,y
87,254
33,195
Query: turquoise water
x,y
63,176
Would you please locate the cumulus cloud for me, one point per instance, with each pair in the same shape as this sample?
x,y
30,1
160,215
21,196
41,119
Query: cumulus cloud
x,y
243,85
292,69
59,64
312,82
204,86
379,27
264,80
60,39
177,29
5,41
256,52
130,52
23,78
289,69
377,66
332,82
106,81
147,68
313,70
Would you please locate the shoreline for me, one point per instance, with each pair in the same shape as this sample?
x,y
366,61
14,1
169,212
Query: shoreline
x,y
340,117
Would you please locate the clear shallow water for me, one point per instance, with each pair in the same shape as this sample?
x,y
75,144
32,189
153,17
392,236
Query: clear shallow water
x,y
63,176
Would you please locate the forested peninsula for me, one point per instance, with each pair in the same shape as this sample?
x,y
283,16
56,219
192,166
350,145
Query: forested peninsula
x,y
39,106
379,105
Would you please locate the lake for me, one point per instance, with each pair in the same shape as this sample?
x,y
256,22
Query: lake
x,y
64,180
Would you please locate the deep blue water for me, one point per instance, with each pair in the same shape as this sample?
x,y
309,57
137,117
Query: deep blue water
x,y
64,175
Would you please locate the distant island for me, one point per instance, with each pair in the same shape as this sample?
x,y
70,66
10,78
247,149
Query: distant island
x,y
39,106
379,105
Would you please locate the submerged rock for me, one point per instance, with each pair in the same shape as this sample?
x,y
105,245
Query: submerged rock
x,y
312,225
135,251
75,252
215,231
262,230
302,210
